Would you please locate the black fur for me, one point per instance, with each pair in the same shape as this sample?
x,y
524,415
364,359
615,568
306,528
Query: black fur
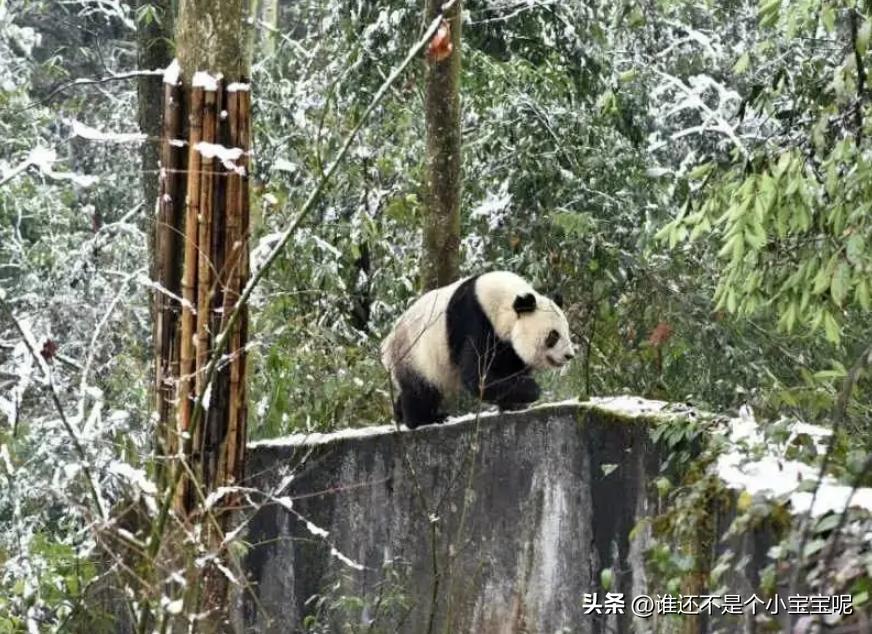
x,y
490,369
524,303
419,401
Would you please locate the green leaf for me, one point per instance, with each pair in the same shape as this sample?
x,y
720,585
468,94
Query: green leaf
x,y
828,17
824,275
831,327
769,10
784,162
665,231
704,226
841,282
700,171
628,75
832,181
861,294
788,319
755,236
663,485
855,247
827,523
768,193
741,64
828,375
812,547
821,281
863,36
731,300
728,246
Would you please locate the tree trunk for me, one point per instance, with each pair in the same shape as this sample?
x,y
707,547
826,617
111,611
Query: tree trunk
x,y
202,260
442,113
154,33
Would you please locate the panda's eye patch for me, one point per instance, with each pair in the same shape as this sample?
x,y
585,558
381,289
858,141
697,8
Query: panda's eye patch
x,y
552,339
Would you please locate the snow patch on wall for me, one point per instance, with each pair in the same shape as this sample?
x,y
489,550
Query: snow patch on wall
x,y
629,405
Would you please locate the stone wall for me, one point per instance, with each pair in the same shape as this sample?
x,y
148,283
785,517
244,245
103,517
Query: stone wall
x,y
489,524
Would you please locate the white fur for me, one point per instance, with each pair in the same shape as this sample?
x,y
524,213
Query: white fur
x,y
419,339
530,331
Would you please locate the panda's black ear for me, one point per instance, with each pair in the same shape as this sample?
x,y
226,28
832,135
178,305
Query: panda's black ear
x,y
558,299
525,303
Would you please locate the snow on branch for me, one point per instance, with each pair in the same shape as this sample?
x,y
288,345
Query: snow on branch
x,y
93,134
84,81
44,159
146,281
714,120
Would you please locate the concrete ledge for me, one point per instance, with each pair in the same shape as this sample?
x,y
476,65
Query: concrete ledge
x,y
496,523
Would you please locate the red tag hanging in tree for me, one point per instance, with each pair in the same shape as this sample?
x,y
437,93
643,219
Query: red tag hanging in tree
x,y
440,46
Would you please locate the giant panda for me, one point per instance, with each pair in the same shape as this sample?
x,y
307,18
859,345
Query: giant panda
x,y
485,333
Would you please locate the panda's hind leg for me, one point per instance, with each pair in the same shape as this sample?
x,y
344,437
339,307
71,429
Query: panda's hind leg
x,y
419,401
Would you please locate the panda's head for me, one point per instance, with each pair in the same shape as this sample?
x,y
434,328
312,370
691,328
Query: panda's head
x,y
540,334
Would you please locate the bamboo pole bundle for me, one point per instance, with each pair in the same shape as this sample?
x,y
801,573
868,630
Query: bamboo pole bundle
x,y
205,265
212,236
241,336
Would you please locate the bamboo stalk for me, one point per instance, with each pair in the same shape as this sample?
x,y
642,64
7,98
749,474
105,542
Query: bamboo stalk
x,y
241,331
231,290
204,237
189,277
245,220
166,244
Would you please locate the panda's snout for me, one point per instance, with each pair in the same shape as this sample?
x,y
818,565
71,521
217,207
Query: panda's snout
x,y
558,362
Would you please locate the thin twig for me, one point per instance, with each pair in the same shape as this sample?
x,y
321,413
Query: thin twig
x,y
82,81
92,346
77,444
